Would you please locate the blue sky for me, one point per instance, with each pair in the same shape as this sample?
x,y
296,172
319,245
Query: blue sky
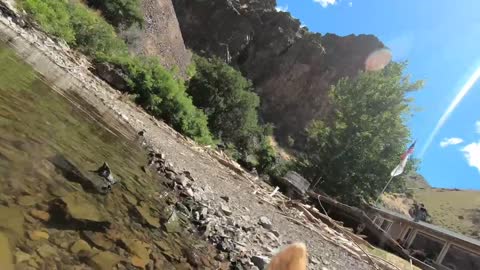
x,y
441,41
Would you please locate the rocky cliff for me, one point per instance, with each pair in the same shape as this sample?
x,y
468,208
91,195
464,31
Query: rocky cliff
x,y
161,35
292,68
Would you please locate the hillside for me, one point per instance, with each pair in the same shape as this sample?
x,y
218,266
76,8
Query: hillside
x,y
457,210
454,209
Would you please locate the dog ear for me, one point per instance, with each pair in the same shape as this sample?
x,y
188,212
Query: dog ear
x,y
292,257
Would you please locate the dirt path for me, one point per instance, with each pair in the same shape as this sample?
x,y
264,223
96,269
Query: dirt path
x,y
69,72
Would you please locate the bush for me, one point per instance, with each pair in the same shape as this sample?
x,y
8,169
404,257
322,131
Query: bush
x,y
226,98
53,16
163,96
156,89
119,12
78,25
231,106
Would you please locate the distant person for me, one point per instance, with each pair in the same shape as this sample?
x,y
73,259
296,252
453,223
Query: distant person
x,y
418,254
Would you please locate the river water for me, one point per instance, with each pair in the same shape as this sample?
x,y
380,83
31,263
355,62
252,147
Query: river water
x,y
46,142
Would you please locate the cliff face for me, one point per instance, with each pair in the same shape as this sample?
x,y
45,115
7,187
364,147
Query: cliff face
x,y
292,69
161,35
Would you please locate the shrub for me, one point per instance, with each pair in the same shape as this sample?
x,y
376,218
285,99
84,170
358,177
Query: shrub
x,y
227,99
53,16
78,25
155,88
163,96
119,12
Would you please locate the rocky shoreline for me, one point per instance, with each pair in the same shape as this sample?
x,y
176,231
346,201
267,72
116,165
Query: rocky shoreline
x,y
229,207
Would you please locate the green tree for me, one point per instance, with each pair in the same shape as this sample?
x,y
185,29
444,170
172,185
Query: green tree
x,y
354,150
227,99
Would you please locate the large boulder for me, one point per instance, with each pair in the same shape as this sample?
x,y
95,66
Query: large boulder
x,y
161,36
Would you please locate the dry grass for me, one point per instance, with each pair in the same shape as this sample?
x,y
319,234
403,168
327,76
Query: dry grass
x,y
456,210
281,151
393,259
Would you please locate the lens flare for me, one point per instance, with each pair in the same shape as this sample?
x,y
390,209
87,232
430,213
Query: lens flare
x,y
458,98
378,59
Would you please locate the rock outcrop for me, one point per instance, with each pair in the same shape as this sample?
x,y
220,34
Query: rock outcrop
x,y
162,37
291,68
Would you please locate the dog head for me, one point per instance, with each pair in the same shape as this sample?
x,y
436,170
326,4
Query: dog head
x,y
292,257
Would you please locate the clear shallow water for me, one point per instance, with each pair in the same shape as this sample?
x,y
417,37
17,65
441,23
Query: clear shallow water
x,y
38,127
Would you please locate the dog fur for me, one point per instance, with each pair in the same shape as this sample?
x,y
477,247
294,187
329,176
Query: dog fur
x,y
292,257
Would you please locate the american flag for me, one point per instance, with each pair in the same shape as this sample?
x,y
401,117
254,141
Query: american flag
x,y
403,160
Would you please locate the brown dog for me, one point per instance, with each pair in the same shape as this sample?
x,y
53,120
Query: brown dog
x,y
292,257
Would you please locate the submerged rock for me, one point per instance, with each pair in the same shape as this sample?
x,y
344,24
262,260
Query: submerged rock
x,y
80,208
140,249
6,256
104,260
27,200
20,257
12,219
38,235
80,246
46,251
173,223
99,240
146,217
41,215
139,262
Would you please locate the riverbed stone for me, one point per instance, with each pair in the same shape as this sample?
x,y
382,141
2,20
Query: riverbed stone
x,y
38,235
41,215
26,200
139,248
12,219
99,240
46,251
173,223
6,256
104,260
80,246
139,262
130,199
79,207
147,218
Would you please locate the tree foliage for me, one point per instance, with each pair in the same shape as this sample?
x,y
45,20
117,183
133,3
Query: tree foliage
x,y
228,100
354,150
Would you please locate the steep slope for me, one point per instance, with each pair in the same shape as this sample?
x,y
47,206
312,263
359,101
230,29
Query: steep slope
x,y
292,69
161,35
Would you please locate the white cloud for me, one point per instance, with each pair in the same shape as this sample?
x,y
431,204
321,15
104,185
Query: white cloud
x,y
477,127
472,154
282,8
325,3
350,4
450,141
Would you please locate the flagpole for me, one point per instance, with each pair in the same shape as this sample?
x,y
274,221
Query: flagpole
x,y
380,195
